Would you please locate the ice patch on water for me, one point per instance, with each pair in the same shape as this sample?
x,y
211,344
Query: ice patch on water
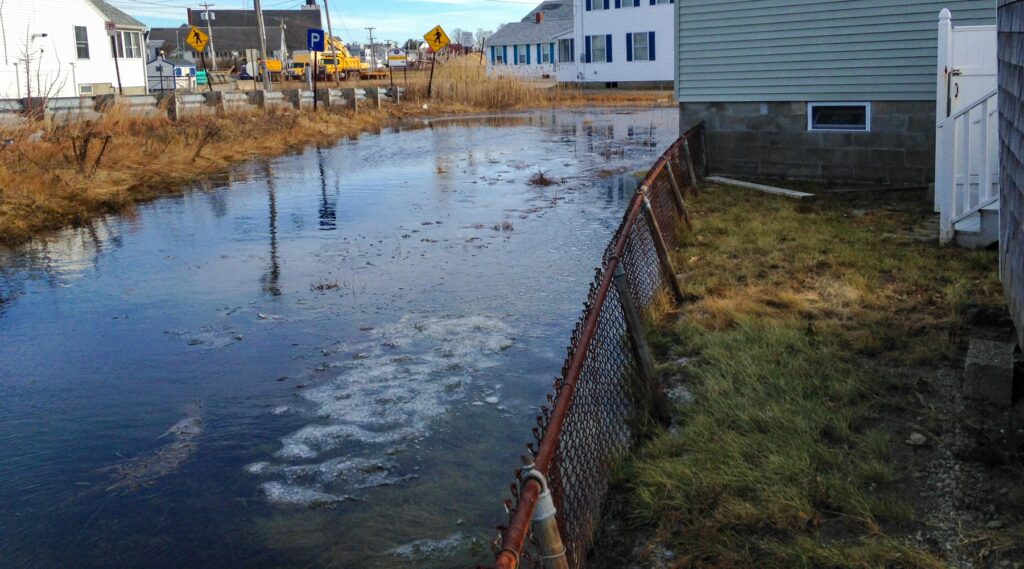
x,y
262,467
423,548
298,495
407,376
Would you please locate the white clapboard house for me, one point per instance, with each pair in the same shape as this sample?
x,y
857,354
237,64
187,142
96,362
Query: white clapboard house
x,y
527,47
60,48
619,43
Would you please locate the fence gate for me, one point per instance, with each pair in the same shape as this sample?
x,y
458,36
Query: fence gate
x,y
967,133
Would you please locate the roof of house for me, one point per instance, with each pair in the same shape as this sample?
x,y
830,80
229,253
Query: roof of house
x,y
295,22
115,15
225,39
557,18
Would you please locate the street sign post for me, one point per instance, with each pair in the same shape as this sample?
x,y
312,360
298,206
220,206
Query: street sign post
x,y
314,43
111,29
197,40
396,58
437,40
315,39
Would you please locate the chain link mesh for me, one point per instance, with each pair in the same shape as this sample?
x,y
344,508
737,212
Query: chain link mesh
x,y
609,402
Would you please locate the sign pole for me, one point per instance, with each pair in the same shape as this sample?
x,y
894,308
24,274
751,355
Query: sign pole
x,y
430,84
314,81
117,70
209,80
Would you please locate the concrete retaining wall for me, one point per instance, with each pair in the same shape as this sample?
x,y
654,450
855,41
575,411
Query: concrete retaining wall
x,y
771,140
11,112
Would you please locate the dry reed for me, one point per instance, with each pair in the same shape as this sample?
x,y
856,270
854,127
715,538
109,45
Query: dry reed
x,y
54,175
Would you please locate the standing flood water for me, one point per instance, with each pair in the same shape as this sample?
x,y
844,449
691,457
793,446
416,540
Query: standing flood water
x,y
330,359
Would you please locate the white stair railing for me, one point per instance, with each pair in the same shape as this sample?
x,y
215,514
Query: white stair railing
x,y
967,173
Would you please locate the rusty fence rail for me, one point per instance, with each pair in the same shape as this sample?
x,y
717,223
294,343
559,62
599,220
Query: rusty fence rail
x,y
607,392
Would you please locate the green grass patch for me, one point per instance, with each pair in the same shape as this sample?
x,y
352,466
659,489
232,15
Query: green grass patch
x,y
784,459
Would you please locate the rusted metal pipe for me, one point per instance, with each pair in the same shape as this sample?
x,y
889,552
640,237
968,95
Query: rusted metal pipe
x,y
545,524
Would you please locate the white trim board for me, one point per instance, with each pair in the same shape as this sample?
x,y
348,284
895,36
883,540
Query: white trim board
x,y
760,187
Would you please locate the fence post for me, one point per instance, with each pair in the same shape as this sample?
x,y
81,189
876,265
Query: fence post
x,y
545,524
705,168
634,327
677,193
689,165
662,249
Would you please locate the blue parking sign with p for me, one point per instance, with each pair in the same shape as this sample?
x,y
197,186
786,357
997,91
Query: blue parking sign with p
x,y
315,39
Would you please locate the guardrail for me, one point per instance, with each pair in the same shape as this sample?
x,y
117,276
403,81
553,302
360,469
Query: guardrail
x,y
607,393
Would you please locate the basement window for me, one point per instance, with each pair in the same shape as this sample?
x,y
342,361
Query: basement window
x,y
846,117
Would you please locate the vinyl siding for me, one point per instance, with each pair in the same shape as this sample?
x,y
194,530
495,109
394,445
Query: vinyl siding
x,y
821,50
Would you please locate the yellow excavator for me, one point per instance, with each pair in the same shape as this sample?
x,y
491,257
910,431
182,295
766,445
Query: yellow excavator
x,y
334,59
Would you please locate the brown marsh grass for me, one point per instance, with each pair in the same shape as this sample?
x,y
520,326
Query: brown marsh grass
x,y
57,175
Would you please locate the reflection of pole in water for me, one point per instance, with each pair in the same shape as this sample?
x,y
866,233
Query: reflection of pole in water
x,y
270,280
328,213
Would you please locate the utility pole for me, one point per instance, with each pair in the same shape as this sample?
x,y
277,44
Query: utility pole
x,y
373,56
209,32
330,38
263,44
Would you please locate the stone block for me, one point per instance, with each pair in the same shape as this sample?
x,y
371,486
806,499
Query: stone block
x,y
988,372
888,157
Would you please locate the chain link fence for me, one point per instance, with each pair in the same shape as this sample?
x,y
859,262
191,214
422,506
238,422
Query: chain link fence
x,y
606,393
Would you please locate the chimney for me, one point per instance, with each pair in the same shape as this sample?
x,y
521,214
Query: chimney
x,y
540,17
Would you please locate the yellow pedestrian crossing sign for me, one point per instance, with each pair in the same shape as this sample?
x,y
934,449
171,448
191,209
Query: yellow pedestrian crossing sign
x,y
197,39
437,39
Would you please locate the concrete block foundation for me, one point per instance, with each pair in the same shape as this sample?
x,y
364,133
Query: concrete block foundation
x,y
771,140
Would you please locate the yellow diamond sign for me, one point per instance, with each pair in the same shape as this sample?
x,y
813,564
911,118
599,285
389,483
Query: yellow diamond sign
x,y
197,39
437,39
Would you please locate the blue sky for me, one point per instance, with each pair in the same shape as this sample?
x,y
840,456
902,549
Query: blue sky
x,y
394,19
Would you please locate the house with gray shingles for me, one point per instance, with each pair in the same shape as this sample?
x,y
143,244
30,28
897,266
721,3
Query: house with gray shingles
x,y
839,90
527,47
1011,136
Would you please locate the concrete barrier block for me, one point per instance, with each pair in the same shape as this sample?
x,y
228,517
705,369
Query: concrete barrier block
x,y
373,97
147,106
299,98
191,104
64,109
268,100
988,372
12,113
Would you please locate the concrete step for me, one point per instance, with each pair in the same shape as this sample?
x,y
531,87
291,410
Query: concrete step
x,y
979,230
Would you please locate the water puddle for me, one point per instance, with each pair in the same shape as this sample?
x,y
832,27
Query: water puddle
x,y
329,359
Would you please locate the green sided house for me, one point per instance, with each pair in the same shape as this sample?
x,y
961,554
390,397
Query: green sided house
x,y
839,90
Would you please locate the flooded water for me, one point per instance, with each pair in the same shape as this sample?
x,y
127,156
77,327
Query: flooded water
x,y
328,359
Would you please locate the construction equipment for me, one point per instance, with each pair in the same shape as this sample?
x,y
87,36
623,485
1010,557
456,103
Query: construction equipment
x,y
335,58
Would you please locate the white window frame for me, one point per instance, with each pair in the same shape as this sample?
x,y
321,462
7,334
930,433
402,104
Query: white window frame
x,y
567,51
593,49
545,53
523,50
124,48
647,38
79,44
867,115
597,5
